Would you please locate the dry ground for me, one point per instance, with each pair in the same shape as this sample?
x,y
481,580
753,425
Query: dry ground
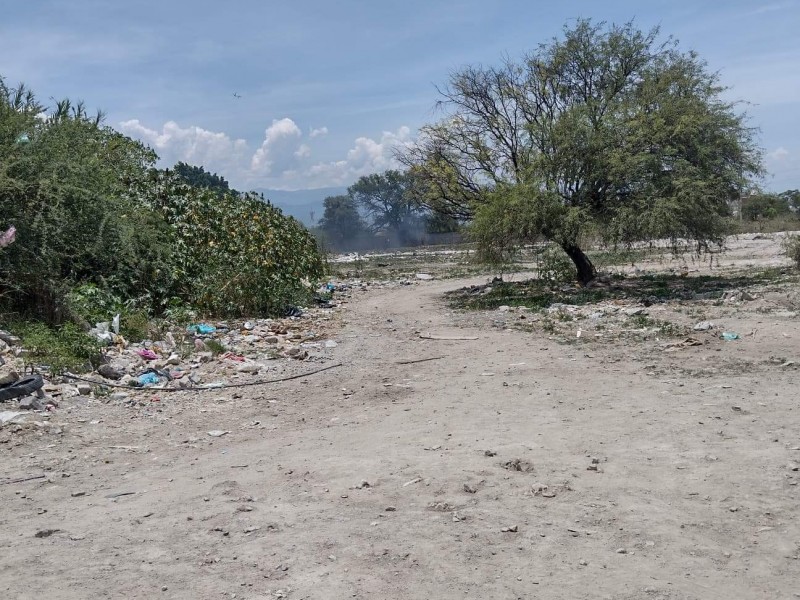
x,y
521,464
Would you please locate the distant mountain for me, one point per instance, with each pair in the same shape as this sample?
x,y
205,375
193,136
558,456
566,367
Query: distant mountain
x,y
301,203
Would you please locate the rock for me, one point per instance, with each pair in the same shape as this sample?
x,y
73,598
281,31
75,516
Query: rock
x,y
330,344
174,360
470,489
43,533
511,529
621,551
31,403
119,396
490,453
504,308
110,372
390,509
518,464
248,368
424,276
205,357
84,389
703,326
218,433
9,377
582,563
9,339
273,339
637,310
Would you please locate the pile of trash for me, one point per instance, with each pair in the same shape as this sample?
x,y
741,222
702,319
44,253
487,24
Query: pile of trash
x,y
204,352
202,355
26,390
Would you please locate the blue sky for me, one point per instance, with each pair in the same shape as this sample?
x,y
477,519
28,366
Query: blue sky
x,y
328,88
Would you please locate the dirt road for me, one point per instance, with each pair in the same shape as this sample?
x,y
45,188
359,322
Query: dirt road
x,y
512,467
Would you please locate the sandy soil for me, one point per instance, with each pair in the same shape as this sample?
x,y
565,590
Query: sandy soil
x,y
517,465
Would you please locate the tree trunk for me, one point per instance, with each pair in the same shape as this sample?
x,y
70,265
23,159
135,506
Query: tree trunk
x,y
584,266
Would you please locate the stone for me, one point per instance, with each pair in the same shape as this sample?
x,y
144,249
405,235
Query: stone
x,y
110,372
174,360
9,339
31,403
84,389
248,368
703,326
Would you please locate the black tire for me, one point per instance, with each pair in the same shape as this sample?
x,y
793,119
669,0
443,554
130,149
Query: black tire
x,y
21,387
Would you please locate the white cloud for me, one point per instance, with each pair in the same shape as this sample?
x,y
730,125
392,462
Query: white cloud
x,y
768,8
280,162
194,145
280,149
366,156
778,154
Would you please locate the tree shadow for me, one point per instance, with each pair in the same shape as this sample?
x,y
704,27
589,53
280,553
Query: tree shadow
x,y
646,289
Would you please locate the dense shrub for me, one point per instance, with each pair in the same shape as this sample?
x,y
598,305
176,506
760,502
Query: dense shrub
x,y
234,254
99,230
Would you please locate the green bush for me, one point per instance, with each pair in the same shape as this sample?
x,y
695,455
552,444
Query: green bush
x,y
791,247
101,232
554,266
235,255
66,348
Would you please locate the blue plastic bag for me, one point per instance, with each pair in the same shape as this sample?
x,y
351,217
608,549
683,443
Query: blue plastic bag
x,y
202,328
148,379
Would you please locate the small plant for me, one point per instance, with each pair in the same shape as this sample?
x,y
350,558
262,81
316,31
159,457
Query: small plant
x,y
64,349
553,266
135,325
791,247
215,347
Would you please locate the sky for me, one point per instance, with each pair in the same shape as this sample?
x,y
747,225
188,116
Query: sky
x,y
325,90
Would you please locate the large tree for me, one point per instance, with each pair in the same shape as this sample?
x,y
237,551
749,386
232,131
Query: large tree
x,y
387,200
604,132
341,222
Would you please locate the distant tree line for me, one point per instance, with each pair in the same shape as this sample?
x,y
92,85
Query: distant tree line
x,y
381,210
759,207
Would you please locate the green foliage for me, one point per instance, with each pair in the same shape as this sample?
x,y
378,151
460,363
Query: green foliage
x,y
605,131
199,177
436,222
765,206
553,266
93,304
215,347
791,247
64,190
235,255
66,348
387,200
100,232
341,223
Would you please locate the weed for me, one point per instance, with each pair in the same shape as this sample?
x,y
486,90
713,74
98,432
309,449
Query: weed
x,y
215,347
791,247
66,348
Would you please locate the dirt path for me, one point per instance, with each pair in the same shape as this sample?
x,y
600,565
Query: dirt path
x,y
514,467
